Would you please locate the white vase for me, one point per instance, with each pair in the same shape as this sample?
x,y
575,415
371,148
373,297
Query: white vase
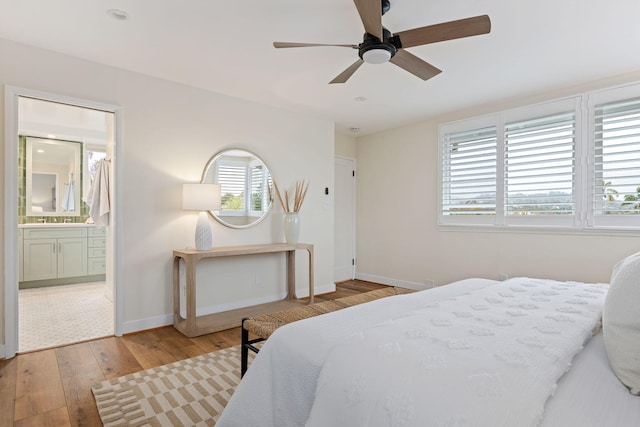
x,y
291,227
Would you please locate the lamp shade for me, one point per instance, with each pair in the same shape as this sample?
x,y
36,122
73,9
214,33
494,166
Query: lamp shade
x,y
201,197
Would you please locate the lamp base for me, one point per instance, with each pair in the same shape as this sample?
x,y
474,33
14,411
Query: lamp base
x,y
203,233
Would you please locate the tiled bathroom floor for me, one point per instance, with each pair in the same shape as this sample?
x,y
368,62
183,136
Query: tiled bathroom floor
x,y
60,315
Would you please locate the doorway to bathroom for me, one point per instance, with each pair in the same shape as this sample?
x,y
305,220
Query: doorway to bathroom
x,y
64,289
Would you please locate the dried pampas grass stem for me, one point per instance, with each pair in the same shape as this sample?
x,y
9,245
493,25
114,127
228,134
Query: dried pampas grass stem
x,y
298,196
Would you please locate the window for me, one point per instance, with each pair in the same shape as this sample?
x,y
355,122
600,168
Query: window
x,y
617,161
92,156
573,163
244,187
469,172
232,177
260,186
539,166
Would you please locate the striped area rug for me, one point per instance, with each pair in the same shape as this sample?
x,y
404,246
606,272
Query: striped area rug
x,y
191,392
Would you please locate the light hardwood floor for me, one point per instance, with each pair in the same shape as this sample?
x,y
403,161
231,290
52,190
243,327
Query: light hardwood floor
x,y
53,387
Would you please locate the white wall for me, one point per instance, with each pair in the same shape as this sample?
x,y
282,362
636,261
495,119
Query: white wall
x,y
345,145
397,237
169,133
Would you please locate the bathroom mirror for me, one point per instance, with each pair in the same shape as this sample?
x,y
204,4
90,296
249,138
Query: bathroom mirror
x,y
53,177
245,184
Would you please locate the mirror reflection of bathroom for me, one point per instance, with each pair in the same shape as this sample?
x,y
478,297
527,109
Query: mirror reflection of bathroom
x,y
44,191
52,169
64,293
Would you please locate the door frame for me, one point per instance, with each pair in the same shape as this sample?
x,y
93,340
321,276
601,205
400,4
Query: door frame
x,y
11,277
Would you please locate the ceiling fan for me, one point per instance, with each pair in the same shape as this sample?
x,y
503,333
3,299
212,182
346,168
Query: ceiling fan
x,y
380,46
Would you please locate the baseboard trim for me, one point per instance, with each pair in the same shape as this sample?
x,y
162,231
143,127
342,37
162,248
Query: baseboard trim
x,y
392,282
58,282
317,290
147,324
167,319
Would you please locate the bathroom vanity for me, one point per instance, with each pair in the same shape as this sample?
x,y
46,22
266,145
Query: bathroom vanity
x,y
55,254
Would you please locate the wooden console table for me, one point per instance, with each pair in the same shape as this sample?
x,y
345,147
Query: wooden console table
x,y
193,326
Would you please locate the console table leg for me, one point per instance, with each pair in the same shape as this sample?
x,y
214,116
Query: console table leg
x,y
190,267
176,290
291,274
311,275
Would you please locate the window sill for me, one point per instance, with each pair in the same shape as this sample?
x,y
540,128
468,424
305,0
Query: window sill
x,y
511,229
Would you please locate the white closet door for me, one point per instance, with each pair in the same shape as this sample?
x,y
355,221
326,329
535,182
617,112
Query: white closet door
x,y
344,219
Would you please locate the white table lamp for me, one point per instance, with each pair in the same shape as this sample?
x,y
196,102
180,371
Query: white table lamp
x,y
203,198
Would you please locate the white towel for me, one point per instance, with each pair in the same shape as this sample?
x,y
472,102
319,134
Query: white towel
x,y
86,187
69,200
99,196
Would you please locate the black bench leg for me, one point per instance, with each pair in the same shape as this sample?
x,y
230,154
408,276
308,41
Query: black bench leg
x,y
244,351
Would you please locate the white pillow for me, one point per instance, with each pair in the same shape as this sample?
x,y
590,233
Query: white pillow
x,y
621,322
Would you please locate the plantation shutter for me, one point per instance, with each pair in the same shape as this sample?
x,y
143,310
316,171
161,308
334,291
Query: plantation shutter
x,y
469,172
257,177
617,158
539,166
232,180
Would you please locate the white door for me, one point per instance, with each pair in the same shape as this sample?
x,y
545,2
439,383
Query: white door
x,y
344,220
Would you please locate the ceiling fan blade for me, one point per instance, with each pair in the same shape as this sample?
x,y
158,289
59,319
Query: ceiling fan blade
x,y
370,12
280,45
414,65
446,31
344,76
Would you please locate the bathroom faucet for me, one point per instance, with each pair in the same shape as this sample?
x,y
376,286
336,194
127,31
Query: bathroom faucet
x,y
42,220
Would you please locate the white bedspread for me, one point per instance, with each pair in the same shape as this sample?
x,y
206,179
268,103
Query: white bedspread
x,y
590,395
279,388
489,358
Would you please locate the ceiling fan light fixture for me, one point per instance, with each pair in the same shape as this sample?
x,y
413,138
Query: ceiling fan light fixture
x,y
379,45
376,56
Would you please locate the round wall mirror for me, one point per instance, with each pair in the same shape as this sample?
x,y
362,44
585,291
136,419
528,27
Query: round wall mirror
x,y
245,186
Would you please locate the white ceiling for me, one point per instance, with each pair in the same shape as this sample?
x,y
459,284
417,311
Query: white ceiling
x,y
226,47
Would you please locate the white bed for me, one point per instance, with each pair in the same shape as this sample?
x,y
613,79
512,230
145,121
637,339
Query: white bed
x,y
281,387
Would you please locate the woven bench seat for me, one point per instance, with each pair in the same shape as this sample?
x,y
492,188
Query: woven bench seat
x,y
264,325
